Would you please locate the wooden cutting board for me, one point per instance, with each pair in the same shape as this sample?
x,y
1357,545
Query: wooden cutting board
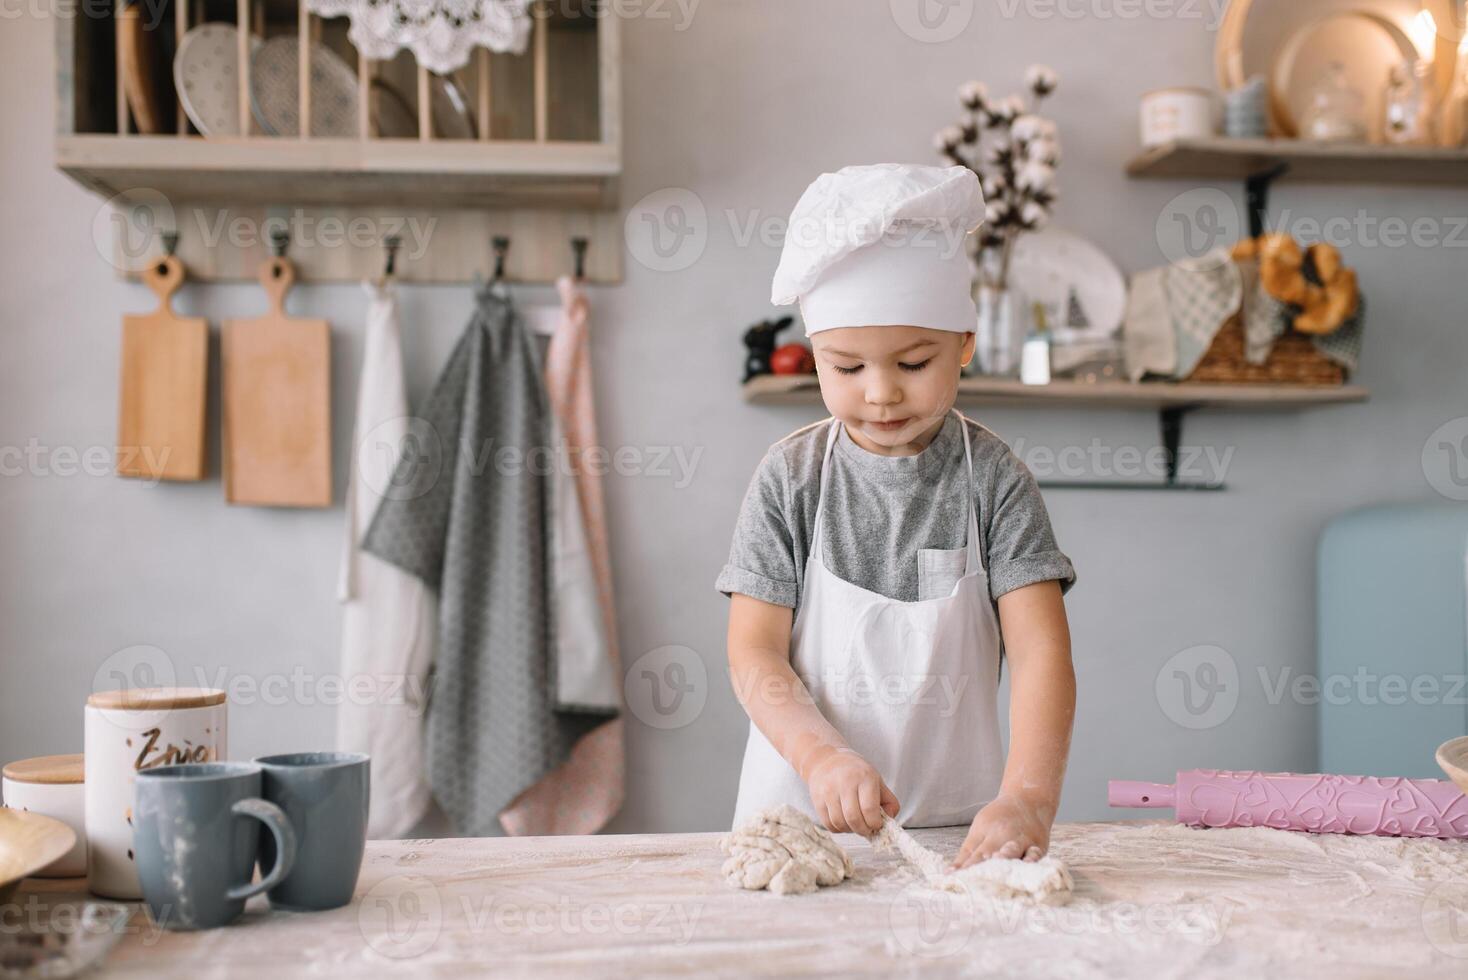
x,y
138,50
165,370
277,403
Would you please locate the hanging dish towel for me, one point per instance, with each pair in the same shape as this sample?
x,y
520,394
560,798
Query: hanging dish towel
x,y
387,614
587,791
472,526
1148,340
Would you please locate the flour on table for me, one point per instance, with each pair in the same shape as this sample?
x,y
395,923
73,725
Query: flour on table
x,y
1044,882
783,850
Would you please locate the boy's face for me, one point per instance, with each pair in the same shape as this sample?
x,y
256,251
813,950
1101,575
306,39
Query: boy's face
x,y
907,376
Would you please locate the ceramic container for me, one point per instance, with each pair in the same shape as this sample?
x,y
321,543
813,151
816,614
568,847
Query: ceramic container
x,y
52,785
1178,113
126,732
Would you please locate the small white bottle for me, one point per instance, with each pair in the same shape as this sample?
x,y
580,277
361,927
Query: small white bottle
x,y
1034,358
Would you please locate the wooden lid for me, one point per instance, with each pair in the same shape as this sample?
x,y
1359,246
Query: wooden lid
x,y
156,698
1179,90
54,769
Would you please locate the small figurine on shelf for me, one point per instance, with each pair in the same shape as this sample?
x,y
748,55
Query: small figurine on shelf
x,y
760,341
1075,314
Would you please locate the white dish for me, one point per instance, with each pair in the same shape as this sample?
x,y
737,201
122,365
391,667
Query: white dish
x,y
206,73
275,94
1047,265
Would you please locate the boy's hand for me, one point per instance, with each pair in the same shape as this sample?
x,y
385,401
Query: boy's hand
x,y
849,793
1009,827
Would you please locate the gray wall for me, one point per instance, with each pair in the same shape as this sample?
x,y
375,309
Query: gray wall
x,y
743,105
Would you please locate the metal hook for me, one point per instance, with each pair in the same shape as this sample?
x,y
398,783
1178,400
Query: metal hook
x,y
501,248
392,243
280,239
578,246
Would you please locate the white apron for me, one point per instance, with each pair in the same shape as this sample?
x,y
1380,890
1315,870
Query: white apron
x,y
911,686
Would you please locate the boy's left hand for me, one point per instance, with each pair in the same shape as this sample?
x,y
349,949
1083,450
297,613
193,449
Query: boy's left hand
x,y
1009,827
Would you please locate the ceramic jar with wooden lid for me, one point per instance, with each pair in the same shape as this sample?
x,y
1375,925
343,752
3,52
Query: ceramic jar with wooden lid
x,y
126,731
1178,113
51,785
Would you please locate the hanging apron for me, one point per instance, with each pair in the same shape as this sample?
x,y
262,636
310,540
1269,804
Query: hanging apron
x,y
911,686
388,615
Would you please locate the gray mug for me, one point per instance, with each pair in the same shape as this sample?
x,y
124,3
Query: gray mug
x,y
196,835
324,796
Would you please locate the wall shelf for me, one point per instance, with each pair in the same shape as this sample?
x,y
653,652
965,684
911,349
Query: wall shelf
x,y
1221,158
803,389
1171,400
407,173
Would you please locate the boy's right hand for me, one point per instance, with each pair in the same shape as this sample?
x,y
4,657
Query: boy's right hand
x,y
849,793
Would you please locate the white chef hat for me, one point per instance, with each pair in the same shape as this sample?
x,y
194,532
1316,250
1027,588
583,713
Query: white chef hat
x,y
883,245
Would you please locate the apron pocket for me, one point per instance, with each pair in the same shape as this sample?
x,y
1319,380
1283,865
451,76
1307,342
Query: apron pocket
x,y
939,570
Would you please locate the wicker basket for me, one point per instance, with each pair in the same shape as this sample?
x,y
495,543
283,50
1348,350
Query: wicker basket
x,y
1293,360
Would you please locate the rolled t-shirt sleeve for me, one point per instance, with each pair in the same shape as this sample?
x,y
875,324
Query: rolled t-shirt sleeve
x,y
1022,548
762,556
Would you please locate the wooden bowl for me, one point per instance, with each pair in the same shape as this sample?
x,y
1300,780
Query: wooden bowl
x,y
28,842
1452,755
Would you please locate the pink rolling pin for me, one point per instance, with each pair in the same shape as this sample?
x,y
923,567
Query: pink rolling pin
x,y
1390,807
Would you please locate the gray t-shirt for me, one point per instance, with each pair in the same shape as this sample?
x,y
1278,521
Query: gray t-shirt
x,y
895,525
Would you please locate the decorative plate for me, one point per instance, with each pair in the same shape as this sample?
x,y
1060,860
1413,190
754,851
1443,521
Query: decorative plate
x,y
1083,291
275,94
1366,45
206,73
1254,33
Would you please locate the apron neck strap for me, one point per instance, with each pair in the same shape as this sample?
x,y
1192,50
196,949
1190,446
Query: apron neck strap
x,y
815,539
975,561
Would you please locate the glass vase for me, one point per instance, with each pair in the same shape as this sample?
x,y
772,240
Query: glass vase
x,y
1001,331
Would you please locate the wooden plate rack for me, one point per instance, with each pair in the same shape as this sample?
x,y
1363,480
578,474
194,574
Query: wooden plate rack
x,y
542,167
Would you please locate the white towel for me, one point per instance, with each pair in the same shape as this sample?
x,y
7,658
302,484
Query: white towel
x,y
1150,344
388,615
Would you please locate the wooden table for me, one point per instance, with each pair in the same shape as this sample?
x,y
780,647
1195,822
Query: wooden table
x,y
1152,900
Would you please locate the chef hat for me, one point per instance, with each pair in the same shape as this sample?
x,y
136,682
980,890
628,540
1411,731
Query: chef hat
x,y
882,245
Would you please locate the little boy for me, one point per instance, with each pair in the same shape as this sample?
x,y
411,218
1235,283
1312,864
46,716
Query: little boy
x,y
883,554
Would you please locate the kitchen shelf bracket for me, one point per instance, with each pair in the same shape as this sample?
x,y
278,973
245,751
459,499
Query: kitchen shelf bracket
x,y
1256,191
1170,420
